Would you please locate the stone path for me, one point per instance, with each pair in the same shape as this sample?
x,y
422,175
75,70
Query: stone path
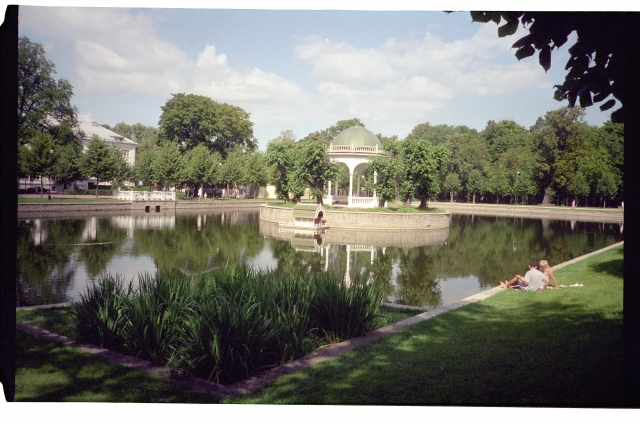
x,y
267,377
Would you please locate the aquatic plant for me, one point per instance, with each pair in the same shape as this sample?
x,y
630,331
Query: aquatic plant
x,y
225,325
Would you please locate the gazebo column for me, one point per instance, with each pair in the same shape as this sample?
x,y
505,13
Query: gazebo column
x,y
350,188
375,180
329,197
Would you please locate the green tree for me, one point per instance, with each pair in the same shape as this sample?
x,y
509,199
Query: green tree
x,y
257,173
101,161
340,126
579,186
312,168
436,134
40,96
68,166
37,159
233,169
476,183
422,165
502,136
136,132
552,136
279,158
168,165
190,120
143,170
388,172
498,183
201,166
452,184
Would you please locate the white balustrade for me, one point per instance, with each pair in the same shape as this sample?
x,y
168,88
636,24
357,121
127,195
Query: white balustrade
x,y
144,195
369,150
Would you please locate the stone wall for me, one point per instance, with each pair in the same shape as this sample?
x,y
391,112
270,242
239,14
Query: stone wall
x,y
275,214
367,237
154,205
386,221
566,213
218,204
372,220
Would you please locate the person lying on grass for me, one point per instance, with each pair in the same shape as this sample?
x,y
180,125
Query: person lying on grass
x,y
532,280
546,270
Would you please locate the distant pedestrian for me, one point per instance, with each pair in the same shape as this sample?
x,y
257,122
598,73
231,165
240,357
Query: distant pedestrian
x,y
573,204
200,193
205,195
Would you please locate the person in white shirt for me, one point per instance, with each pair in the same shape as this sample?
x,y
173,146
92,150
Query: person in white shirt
x,y
532,280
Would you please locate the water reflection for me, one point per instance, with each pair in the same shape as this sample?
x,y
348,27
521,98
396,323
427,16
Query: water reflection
x,y
57,256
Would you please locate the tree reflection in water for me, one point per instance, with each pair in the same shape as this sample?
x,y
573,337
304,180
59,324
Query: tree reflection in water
x,y
55,254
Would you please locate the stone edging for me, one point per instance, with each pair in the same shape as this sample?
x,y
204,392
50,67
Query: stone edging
x,y
365,219
257,381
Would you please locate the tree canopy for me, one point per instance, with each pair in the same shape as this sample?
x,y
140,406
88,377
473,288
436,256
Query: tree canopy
x,y
190,120
40,95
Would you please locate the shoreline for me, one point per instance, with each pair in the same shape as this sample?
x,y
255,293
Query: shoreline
x,y
45,210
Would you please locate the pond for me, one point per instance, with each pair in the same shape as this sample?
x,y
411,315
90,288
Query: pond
x,y
57,256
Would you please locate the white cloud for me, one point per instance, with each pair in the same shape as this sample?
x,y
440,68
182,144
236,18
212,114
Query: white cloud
x,y
404,81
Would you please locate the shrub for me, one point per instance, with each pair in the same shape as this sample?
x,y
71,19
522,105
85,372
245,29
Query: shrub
x,y
225,325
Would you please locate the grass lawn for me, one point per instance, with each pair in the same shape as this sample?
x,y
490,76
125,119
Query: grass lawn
x,y
67,200
558,347
50,372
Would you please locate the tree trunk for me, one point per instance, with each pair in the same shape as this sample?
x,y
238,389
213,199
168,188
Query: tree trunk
x,y
545,199
407,202
474,198
319,200
97,185
451,196
41,186
423,202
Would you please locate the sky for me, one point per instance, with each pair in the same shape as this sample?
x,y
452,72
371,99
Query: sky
x,y
301,70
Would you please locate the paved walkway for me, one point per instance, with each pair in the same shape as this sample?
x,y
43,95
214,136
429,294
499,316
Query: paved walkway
x,y
267,377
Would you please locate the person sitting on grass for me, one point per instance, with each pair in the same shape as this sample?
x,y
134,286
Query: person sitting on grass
x,y
532,280
546,270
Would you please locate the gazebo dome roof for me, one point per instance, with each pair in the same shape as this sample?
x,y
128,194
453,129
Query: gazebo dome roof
x,y
357,136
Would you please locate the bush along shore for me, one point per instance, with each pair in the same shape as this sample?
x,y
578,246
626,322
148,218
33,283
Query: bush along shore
x,y
225,325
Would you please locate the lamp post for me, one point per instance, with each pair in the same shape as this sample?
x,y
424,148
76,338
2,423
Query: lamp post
x,y
516,187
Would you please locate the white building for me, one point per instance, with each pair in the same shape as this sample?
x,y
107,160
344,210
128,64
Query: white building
x,y
89,129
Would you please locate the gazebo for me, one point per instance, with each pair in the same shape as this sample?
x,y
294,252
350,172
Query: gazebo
x,y
353,147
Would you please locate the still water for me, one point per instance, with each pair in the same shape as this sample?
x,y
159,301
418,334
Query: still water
x,y
57,256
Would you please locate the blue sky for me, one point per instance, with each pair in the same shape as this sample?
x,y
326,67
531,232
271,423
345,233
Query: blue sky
x,y
296,69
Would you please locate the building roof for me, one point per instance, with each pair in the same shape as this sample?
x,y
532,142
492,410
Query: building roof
x,y
357,136
92,128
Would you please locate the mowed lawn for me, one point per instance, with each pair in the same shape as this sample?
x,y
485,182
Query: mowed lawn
x,y
558,347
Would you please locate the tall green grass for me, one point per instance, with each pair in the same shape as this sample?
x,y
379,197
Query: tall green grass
x,y
225,325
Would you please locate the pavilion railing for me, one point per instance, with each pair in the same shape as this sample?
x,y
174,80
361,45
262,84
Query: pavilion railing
x,y
144,195
369,150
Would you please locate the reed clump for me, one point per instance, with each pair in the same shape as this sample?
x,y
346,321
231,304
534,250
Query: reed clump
x,y
225,325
